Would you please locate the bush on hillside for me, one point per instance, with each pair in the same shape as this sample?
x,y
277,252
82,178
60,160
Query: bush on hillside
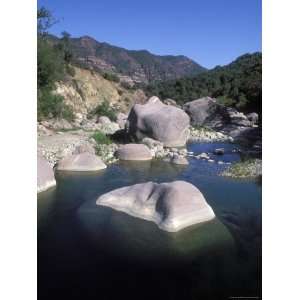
x,y
104,109
52,106
111,77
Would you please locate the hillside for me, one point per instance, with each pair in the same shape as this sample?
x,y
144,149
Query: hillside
x,y
139,65
237,84
87,89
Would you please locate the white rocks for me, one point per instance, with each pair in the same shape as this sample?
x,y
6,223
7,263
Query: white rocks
x,y
179,160
172,206
208,135
45,175
219,151
81,162
165,123
121,120
210,160
134,152
103,120
84,148
203,155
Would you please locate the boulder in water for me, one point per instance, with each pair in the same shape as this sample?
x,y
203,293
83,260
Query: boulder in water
x,y
172,206
45,175
134,152
81,162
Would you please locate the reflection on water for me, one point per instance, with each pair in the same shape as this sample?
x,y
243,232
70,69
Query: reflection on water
x,y
87,251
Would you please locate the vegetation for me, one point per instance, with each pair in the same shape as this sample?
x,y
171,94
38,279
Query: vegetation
x,y
142,64
247,168
101,138
104,109
237,84
53,62
111,77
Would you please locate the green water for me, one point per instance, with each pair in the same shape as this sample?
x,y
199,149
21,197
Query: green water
x,y
93,252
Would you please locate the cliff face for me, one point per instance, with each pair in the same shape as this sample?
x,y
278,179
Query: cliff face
x,y
87,89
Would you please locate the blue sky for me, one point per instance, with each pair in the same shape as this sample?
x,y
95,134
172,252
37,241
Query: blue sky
x,y
211,32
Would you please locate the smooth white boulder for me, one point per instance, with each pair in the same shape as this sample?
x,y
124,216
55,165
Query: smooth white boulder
x,y
165,123
134,152
81,162
45,175
172,205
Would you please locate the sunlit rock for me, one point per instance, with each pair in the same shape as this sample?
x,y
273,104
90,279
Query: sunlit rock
x,y
172,206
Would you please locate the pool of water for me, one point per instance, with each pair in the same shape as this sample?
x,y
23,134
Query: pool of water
x,y
93,252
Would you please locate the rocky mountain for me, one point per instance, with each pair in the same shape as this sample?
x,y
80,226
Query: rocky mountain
x,y
139,65
84,91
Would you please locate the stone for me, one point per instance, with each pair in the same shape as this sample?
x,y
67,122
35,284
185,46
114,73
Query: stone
x,y
81,162
103,120
84,148
59,124
219,151
172,205
237,118
210,160
45,175
165,123
252,117
206,112
134,152
121,120
179,160
203,156
171,102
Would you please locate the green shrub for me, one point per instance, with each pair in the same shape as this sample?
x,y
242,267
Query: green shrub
x,y
51,105
126,85
111,77
101,138
70,70
104,109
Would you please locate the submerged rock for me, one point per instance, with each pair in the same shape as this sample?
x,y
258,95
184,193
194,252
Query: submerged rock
x,y
81,162
133,152
165,123
172,206
45,175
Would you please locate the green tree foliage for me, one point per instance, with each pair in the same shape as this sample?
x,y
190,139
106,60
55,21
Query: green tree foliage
x,y
111,77
52,64
237,84
104,109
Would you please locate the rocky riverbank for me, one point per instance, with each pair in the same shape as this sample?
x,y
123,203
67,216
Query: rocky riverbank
x,y
248,168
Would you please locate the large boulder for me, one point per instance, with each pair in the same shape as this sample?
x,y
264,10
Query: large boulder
x,y
172,206
237,118
206,112
165,123
121,119
45,175
253,117
81,162
134,152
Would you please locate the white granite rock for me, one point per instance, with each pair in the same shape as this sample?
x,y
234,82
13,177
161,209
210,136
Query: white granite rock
x,y
45,175
172,206
81,162
134,152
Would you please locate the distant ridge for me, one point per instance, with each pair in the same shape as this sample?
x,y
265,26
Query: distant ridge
x,y
140,65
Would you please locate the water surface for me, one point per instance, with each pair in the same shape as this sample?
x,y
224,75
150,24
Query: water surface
x,y
93,252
